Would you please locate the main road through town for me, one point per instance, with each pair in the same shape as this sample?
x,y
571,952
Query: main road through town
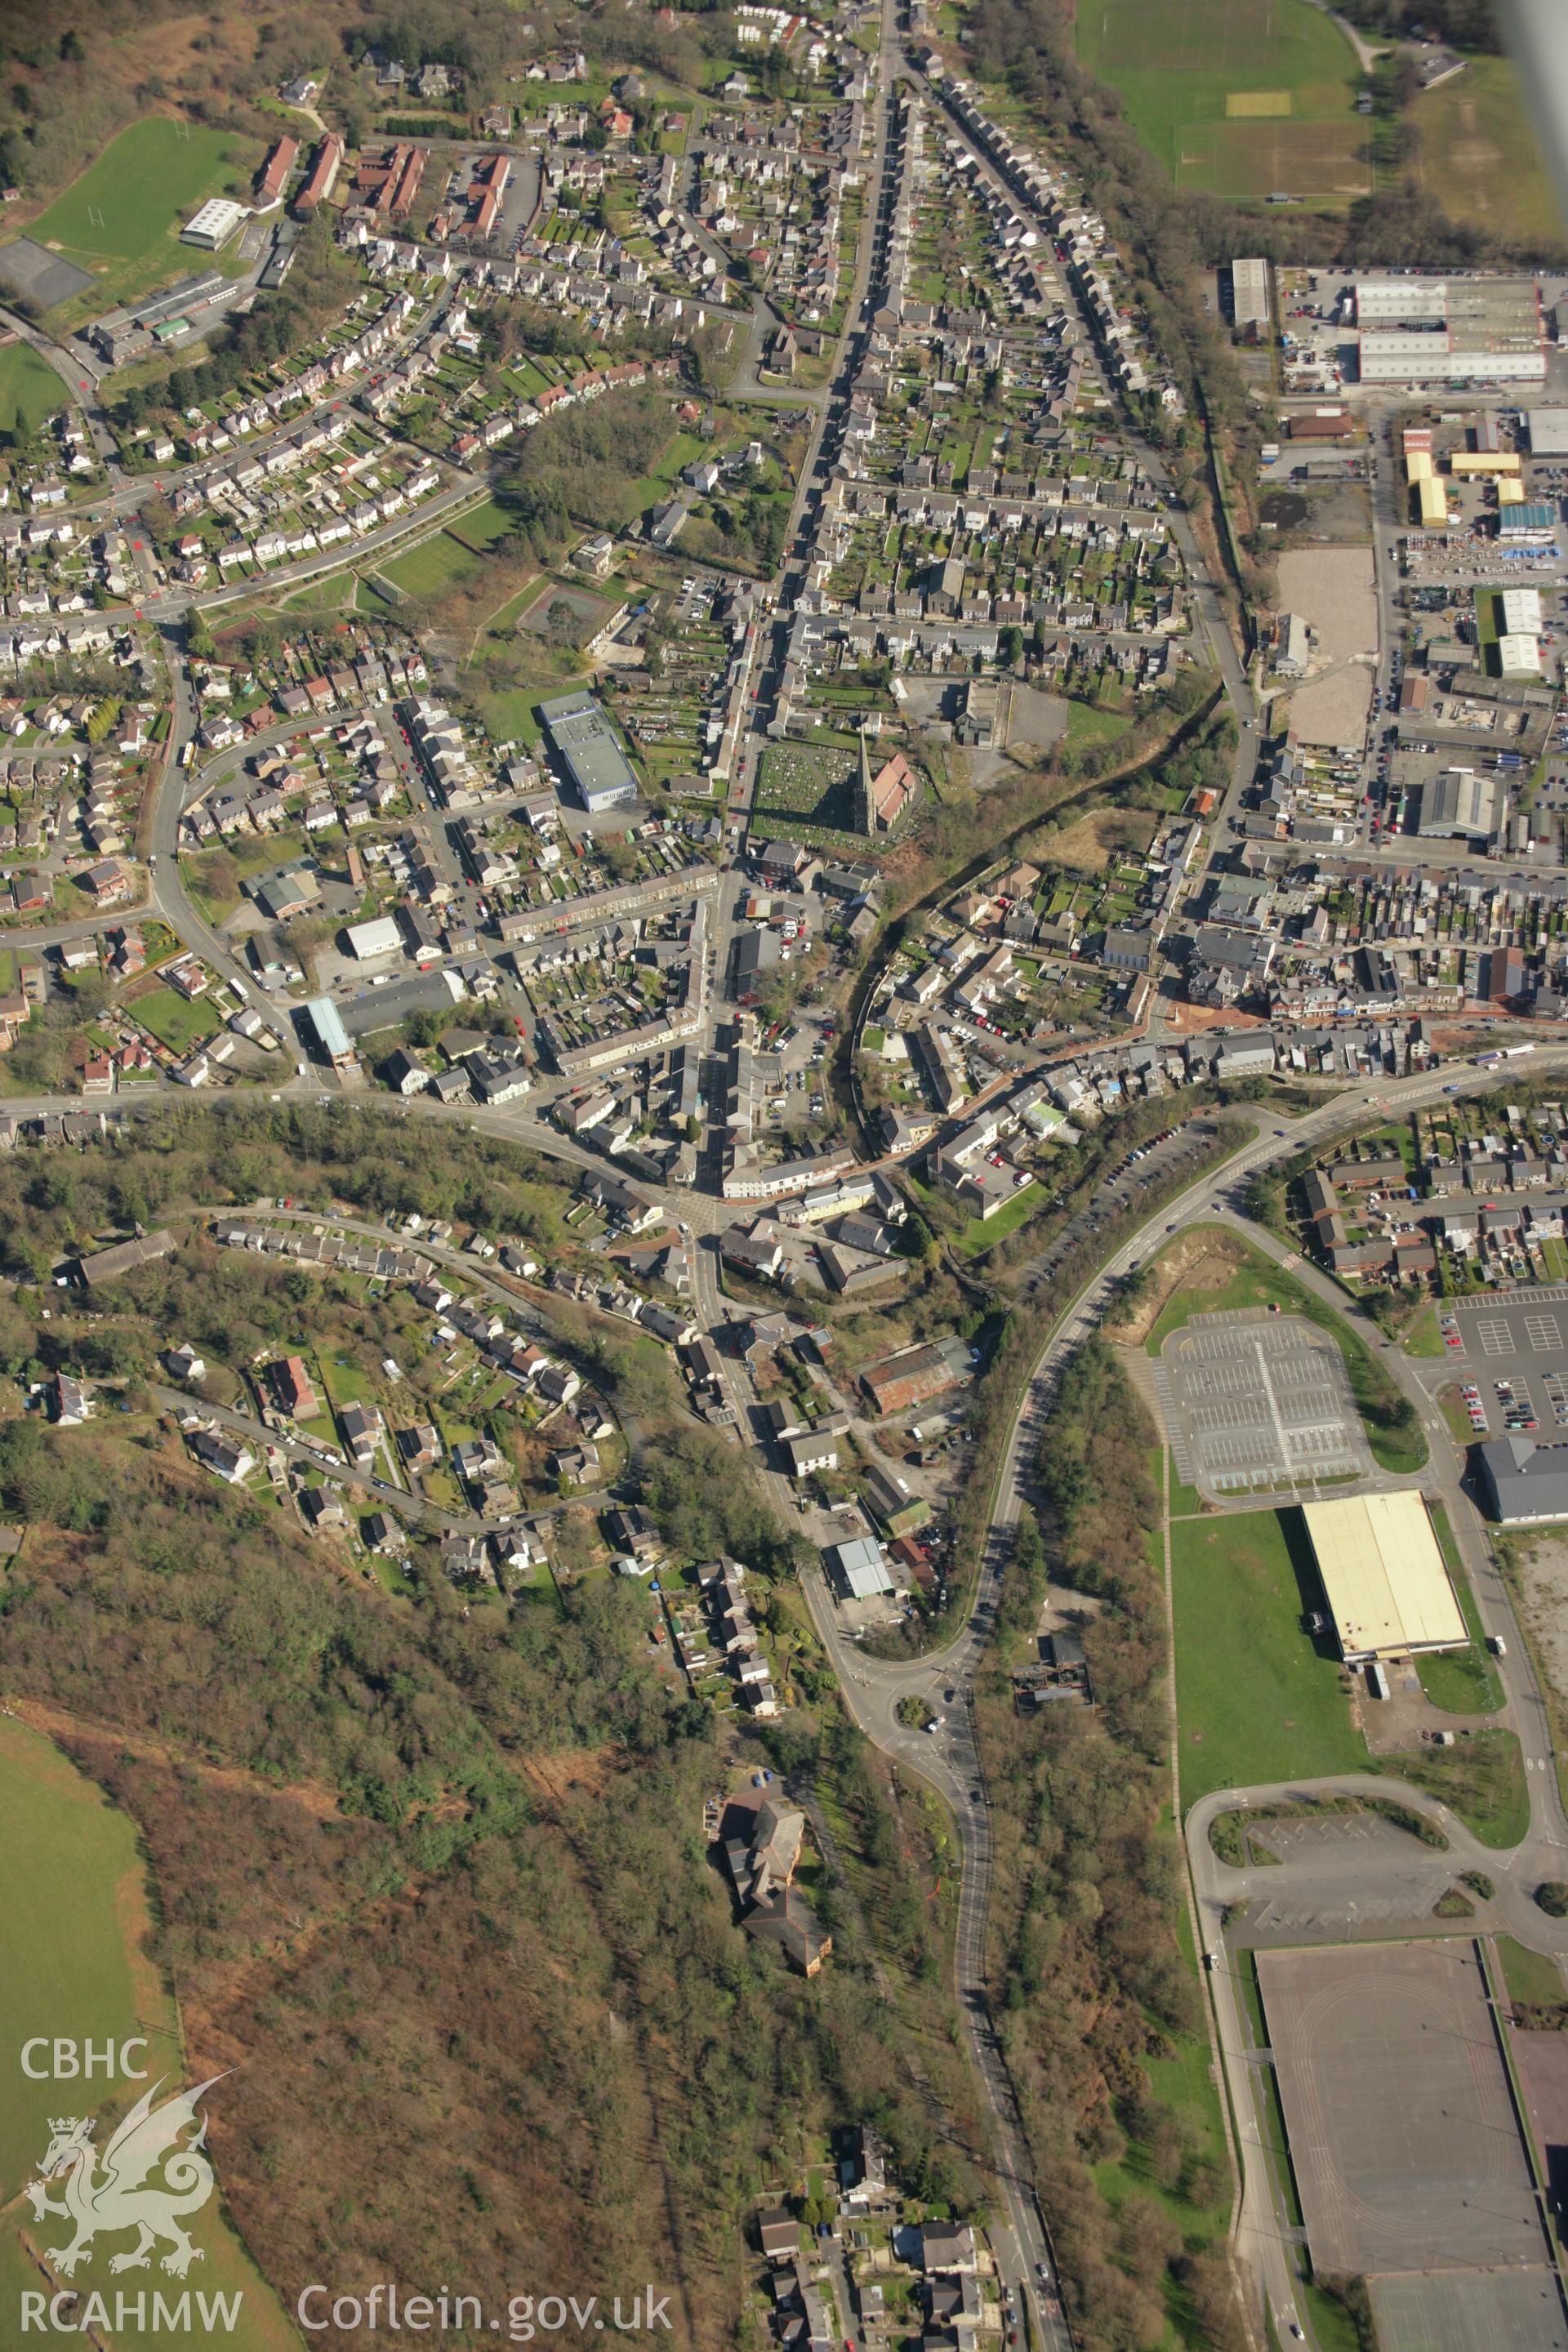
x,y
948,1759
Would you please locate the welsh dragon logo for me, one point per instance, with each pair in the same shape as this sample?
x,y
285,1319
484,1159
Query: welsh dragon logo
x,y
116,2192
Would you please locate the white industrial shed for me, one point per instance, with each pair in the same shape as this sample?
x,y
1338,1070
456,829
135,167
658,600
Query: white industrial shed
x,y
378,938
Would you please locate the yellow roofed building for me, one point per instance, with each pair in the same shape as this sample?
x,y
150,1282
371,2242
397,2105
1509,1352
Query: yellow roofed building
x,y
1383,1576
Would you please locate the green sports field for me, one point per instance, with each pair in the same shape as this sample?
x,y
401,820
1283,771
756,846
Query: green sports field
x,y
73,1924
451,553
1245,99
1256,1699
1476,155
30,391
482,526
122,218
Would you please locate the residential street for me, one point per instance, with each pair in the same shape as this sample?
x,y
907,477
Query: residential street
x,y
1339,1887
873,1688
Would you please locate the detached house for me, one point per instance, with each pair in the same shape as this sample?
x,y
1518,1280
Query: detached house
x,y
761,1867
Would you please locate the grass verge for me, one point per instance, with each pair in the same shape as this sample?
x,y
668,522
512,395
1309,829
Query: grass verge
x,y
1271,2110
1423,1339
1532,1979
1481,1779
1462,1682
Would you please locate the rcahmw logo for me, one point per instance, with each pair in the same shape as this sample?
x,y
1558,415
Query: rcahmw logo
x,y
149,2180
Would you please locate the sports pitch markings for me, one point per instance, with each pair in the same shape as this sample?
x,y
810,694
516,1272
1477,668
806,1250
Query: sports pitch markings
x,y
1245,99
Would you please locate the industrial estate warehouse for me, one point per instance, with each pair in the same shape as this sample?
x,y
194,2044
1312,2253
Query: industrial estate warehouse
x,y
1430,330
1383,1573
1525,1483
1249,292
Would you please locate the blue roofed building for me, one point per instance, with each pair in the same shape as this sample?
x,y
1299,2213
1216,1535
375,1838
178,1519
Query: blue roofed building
x,y
332,1037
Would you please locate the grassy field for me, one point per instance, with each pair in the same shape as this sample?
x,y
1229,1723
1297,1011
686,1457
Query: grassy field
x,y
1256,1699
480,529
75,1870
122,218
1477,155
1240,98
1482,1779
323,598
1088,725
30,391
174,1021
510,715
72,1962
431,565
